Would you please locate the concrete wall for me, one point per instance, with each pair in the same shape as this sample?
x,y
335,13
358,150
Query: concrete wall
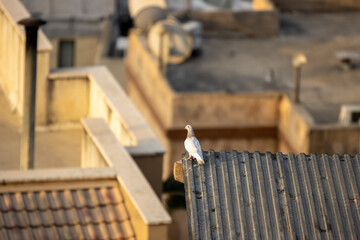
x,y
293,127
264,22
87,51
93,92
149,78
298,133
317,5
148,216
68,99
204,110
43,66
333,139
12,59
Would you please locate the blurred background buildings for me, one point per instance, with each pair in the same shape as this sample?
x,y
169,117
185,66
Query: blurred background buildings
x,y
225,67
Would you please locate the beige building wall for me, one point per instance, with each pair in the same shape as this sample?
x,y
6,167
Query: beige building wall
x,y
75,93
293,127
43,66
12,60
87,51
335,139
86,22
101,148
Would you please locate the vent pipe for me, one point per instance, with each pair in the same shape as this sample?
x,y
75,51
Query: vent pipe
x,y
28,123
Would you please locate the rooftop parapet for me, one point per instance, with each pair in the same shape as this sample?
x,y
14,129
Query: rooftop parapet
x,y
93,92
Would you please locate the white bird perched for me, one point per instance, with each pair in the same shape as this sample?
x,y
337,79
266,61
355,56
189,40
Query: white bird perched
x,y
192,145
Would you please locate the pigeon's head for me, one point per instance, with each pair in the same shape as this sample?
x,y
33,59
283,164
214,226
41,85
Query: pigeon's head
x,y
188,127
190,131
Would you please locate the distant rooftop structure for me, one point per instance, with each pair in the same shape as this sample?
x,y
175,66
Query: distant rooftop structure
x,y
241,195
17,11
239,65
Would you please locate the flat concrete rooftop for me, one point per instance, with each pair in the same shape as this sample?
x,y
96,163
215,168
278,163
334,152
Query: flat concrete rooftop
x,y
235,64
52,149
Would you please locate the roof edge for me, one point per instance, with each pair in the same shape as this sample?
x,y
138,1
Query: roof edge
x,y
52,175
140,191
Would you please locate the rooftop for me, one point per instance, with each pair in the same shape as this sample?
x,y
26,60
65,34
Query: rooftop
x,y
52,148
63,204
234,64
241,195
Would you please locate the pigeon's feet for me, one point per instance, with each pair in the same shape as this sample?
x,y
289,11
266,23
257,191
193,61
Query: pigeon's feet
x,y
190,158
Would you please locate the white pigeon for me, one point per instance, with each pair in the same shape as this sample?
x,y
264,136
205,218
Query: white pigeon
x,y
192,146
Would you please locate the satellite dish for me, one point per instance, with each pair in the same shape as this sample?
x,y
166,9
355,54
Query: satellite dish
x,y
168,39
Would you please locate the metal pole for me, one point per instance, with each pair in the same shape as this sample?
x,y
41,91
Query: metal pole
x,y
163,51
188,5
28,125
161,46
297,84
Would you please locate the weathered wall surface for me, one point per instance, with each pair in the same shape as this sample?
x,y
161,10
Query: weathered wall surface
x,y
335,139
93,92
293,127
86,51
43,66
142,68
12,59
149,218
68,100
264,23
299,134
317,5
225,110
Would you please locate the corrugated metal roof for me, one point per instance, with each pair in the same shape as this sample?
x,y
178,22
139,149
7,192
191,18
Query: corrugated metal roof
x,y
273,196
90,212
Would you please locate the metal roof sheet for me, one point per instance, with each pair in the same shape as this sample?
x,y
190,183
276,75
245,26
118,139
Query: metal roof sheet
x,y
91,212
273,196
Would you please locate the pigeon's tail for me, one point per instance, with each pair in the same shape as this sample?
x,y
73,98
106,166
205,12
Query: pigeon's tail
x,y
199,159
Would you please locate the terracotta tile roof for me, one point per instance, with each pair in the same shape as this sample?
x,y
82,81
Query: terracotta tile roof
x,y
74,212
